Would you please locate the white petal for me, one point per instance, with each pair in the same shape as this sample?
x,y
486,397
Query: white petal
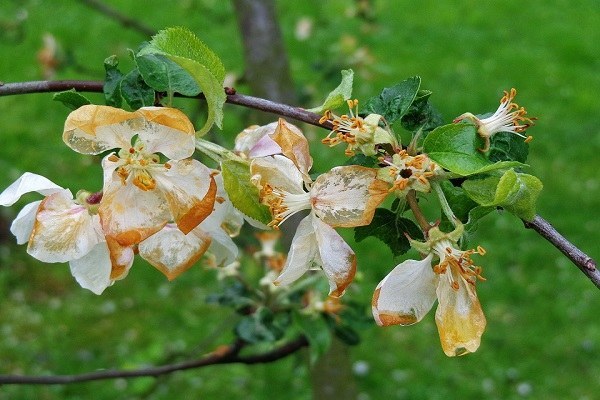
x,y
303,253
63,230
167,131
264,147
406,294
337,258
459,317
93,129
172,252
27,183
347,196
22,226
222,247
130,214
279,172
92,271
190,191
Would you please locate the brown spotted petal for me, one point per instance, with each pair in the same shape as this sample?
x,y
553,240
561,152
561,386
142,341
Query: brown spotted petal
x,y
337,258
347,196
172,252
294,146
406,294
459,317
189,190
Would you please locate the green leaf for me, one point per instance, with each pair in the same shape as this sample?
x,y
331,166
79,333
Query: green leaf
x,y
455,148
261,326
460,203
475,215
71,99
135,91
390,229
339,95
182,47
363,160
515,192
235,295
112,82
243,194
394,102
164,75
421,114
317,332
506,146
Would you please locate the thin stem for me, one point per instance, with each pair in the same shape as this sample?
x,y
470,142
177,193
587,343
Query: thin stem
x,y
437,188
586,264
411,198
224,355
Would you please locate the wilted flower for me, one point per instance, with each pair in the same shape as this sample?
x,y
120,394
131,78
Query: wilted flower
x,y
509,117
343,197
406,172
62,229
408,292
362,134
142,193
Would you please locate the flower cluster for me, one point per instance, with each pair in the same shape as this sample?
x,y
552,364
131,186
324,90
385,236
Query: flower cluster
x,y
406,172
156,200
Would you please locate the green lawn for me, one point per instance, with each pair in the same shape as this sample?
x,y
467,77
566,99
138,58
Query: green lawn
x,y
543,334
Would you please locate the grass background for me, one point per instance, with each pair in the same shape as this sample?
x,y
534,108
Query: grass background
x,y
543,334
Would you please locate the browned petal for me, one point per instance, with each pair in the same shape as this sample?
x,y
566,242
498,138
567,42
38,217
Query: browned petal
x,y
294,145
343,281
121,259
89,117
170,117
387,318
199,211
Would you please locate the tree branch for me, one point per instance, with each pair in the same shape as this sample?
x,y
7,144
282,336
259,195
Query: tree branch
x,y
124,20
585,263
226,355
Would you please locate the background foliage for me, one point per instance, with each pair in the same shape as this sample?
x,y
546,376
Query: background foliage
x,y
542,340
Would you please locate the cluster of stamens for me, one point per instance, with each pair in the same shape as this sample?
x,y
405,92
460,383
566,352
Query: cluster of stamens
x,y
350,129
406,170
457,264
509,117
138,163
282,204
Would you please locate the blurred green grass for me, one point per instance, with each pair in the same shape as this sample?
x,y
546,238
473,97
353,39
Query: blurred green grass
x,y
543,336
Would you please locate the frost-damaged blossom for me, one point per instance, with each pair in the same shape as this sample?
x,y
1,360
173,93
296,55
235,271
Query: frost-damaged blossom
x,y
408,292
173,252
361,134
60,228
509,117
142,193
406,172
343,197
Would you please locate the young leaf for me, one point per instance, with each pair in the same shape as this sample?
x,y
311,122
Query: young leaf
x,y
164,75
506,146
112,82
182,47
455,148
339,95
135,91
71,99
394,102
390,229
421,114
242,193
515,192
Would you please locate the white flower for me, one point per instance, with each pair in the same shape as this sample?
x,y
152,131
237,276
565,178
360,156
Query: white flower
x,y
62,229
409,291
142,193
509,117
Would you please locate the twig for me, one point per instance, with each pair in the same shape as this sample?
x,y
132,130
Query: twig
x,y
585,263
124,20
227,355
